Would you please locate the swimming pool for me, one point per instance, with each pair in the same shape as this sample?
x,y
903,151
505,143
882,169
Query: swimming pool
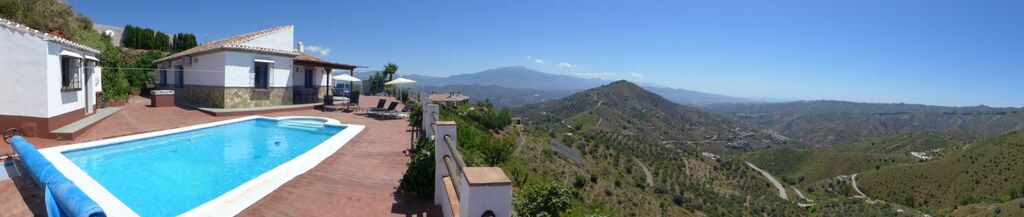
x,y
211,169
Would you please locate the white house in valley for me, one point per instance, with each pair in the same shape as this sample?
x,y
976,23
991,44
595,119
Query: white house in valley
x,y
48,81
263,68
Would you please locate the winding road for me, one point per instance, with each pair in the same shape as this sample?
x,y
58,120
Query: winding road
x,y
853,179
782,191
647,173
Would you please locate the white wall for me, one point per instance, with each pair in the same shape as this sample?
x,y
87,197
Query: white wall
x,y
97,80
206,70
497,199
299,76
281,40
23,60
60,102
239,69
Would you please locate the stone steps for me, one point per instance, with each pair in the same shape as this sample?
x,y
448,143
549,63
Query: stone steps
x,y
73,129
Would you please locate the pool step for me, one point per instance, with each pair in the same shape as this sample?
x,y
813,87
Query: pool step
x,y
301,126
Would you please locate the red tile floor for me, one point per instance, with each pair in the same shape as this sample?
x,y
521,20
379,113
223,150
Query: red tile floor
x,y
361,179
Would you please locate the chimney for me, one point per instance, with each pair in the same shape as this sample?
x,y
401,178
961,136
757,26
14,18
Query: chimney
x,y
301,48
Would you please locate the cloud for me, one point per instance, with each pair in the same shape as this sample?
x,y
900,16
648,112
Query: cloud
x,y
538,61
566,65
595,74
636,75
322,50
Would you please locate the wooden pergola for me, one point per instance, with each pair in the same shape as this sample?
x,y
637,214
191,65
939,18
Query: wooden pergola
x,y
308,60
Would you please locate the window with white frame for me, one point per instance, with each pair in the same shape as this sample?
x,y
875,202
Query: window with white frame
x,y
69,76
262,77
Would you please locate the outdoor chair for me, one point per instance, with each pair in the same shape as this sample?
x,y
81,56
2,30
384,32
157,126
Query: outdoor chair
x,y
381,113
353,102
380,106
395,114
328,106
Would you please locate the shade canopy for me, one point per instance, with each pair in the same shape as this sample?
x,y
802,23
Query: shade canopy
x,y
345,77
399,81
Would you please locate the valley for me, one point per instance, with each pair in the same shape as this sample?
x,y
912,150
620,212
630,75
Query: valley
x,y
630,151
625,149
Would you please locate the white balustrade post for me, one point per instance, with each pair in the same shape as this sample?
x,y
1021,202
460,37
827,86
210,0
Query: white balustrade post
x,y
428,119
444,128
425,99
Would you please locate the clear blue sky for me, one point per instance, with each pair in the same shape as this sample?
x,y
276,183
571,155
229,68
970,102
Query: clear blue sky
x,y
931,52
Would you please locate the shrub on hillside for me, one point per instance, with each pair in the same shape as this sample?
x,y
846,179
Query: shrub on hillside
x,y
484,114
497,151
544,200
580,182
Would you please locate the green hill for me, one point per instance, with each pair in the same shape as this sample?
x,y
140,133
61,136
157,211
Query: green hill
x,y
625,111
988,172
625,167
804,166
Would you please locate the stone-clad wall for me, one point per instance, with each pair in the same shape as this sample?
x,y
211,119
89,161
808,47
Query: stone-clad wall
x,y
238,97
247,97
202,95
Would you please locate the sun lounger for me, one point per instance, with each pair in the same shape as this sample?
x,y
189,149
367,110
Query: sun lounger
x,y
383,112
380,106
395,114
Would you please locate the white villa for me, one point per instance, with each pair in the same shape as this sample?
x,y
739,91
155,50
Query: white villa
x,y
48,81
263,68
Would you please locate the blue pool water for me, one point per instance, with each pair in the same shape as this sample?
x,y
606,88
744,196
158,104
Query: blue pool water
x,y
171,174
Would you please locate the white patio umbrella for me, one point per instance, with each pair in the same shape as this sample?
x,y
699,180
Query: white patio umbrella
x,y
345,77
400,81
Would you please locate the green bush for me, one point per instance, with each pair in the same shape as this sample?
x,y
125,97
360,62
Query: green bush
x,y
549,199
423,144
415,113
580,182
497,151
484,114
419,177
139,78
115,83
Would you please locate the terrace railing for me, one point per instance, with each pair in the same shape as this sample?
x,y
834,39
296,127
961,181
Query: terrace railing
x,y
458,189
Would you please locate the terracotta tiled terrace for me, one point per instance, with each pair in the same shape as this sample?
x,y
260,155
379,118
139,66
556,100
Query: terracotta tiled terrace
x,y
361,179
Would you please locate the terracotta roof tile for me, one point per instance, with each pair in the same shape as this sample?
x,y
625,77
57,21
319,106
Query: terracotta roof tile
x,y
47,36
235,43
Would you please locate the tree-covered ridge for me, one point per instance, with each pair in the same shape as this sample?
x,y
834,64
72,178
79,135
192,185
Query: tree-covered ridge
x,y
837,123
625,109
987,172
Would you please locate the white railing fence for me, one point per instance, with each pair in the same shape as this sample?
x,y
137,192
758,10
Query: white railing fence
x,y
470,191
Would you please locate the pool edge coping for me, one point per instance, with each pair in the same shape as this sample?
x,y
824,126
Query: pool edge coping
x,y
233,201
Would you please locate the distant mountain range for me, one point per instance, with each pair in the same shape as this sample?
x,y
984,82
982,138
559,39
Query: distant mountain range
x,y
501,97
531,81
838,123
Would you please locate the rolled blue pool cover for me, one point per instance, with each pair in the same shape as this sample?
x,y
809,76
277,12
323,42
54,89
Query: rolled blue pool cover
x,y
68,197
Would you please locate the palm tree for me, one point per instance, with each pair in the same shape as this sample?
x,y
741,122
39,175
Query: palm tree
x,y
390,69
